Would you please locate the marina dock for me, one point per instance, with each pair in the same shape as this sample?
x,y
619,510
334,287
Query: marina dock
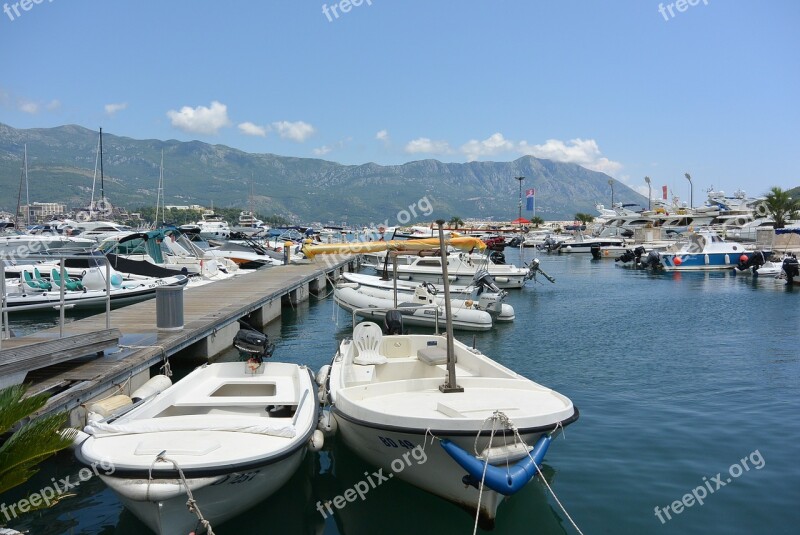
x,y
211,315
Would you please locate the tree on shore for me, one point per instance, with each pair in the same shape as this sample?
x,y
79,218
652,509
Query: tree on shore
x,y
781,207
536,221
584,218
455,222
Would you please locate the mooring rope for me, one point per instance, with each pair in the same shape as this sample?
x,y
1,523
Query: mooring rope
x,y
191,503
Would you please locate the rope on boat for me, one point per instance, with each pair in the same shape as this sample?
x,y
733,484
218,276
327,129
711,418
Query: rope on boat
x,y
191,503
165,359
541,475
494,418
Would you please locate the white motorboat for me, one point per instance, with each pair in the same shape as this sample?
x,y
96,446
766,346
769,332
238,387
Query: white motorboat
x,y
223,437
704,251
489,298
137,252
87,292
20,246
388,399
418,309
461,269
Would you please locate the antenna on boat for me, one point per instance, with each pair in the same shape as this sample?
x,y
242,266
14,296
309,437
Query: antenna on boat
x,y
450,384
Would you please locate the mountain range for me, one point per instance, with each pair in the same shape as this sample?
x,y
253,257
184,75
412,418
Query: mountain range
x,y
62,162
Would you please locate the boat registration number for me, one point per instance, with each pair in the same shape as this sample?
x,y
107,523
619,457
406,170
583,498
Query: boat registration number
x,y
235,479
389,443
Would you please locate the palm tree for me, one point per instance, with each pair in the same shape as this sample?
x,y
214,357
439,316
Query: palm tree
x,y
536,221
584,218
34,441
455,222
781,206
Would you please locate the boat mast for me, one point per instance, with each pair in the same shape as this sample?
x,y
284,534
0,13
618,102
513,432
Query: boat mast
x,y
102,183
160,194
94,179
450,384
19,199
27,195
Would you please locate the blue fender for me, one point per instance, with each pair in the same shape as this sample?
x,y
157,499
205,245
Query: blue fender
x,y
502,479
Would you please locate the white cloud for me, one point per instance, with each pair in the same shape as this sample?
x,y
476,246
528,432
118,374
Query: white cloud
x,y
252,129
297,131
383,135
53,105
583,152
494,144
112,109
28,107
200,120
424,145
325,149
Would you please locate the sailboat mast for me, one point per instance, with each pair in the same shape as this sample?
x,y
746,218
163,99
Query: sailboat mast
x,y
27,194
19,199
102,184
160,196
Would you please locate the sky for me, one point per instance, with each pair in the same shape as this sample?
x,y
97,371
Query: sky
x,y
632,88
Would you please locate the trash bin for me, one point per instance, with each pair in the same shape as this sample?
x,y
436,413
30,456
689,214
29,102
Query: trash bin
x,y
169,308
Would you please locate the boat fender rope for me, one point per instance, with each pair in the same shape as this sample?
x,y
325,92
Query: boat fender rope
x,y
549,488
191,503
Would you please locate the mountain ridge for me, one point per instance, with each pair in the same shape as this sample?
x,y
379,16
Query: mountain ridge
x,y
61,168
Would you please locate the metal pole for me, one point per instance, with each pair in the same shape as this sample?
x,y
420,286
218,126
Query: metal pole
x,y
520,178
61,299
394,274
4,315
611,183
450,384
691,190
108,294
649,192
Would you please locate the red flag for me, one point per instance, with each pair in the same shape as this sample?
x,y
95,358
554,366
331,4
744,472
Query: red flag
x,y
664,192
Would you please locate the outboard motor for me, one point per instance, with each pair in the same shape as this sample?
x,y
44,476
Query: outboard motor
x,y
497,257
754,261
652,261
791,268
625,257
595,250
393,322
254,346
484,281
514,242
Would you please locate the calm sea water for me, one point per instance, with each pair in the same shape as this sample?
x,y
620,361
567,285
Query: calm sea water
x,y
678,377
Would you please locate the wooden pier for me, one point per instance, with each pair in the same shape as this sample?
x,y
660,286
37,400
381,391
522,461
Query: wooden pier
x,y
210,313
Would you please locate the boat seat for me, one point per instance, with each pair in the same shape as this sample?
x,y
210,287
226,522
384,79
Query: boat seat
x,y
434,355
367,337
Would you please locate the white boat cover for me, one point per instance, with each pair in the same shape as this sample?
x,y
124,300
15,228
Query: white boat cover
x,y
198,422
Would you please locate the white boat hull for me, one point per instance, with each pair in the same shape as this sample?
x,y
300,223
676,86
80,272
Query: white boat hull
x,y
371,307
386,398
440,474
236,436
172,517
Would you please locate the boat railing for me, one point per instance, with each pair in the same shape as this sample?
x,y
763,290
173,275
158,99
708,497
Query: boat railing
x,y
61,305
435,309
